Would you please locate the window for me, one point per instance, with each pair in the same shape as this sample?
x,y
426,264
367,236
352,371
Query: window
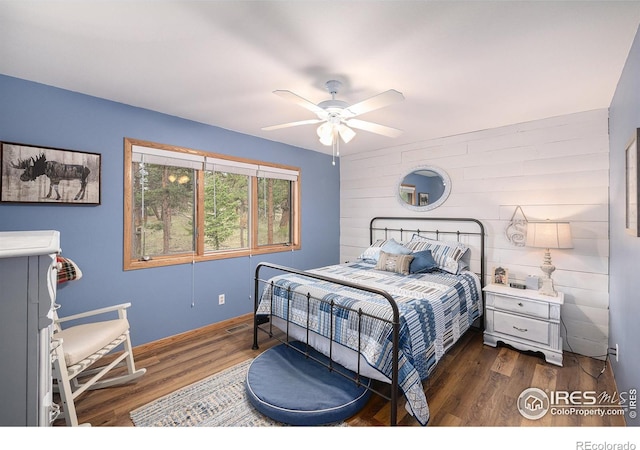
x,y
226,211
185,205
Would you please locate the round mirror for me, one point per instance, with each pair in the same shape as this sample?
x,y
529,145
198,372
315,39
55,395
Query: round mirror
x,y
424,188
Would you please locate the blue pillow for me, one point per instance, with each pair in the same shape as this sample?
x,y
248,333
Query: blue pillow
x,y
422,262
391,246
446,254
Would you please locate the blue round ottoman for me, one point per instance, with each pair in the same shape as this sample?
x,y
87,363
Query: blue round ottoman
x,y
288,387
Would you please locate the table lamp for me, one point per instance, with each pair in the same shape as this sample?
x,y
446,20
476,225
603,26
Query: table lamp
x,y
548,235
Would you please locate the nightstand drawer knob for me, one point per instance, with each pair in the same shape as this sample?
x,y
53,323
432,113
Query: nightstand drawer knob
x,y
522,330
520,304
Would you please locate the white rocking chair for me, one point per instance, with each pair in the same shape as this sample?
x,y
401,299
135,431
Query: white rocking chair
x,y
78,348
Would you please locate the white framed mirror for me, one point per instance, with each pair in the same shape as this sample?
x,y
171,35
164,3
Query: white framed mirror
x,y
423,188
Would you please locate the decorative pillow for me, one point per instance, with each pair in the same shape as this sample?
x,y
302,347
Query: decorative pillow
x,y
372,253
394,263
391,246
67,270
446,254
423,262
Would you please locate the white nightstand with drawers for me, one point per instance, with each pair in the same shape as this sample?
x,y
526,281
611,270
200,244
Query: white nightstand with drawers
x,y
524,319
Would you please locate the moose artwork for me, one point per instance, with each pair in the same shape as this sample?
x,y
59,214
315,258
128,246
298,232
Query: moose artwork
x,y
48,175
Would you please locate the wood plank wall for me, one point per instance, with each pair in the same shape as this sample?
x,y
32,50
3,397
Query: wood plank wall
x,y
556,168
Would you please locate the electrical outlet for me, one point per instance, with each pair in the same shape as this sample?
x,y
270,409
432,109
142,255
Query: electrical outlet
x,y
617,353
221,299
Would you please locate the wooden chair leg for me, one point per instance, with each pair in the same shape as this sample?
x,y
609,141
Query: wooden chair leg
x,y
64,388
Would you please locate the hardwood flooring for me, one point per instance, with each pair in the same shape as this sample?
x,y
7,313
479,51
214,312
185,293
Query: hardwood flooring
x,y
473,385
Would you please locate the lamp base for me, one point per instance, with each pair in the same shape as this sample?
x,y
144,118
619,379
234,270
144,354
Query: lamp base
x,y
547,288
547,283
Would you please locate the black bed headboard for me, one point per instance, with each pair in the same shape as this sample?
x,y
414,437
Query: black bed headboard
x,y
458,229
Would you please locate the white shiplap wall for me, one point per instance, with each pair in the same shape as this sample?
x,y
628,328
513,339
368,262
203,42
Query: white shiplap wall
x,y
556,168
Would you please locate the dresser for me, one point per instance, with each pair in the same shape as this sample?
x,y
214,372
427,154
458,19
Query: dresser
x,y
525,320
28,281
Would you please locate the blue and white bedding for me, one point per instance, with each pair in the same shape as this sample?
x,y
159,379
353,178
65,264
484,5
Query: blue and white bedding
x,y
436,308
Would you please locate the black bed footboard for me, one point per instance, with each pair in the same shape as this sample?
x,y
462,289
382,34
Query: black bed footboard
x,y
394,323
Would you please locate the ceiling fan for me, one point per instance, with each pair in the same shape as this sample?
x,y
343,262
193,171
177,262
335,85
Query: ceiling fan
x,y
337,118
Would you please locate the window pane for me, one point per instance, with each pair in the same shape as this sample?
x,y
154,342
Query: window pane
x,y
186,205
226,211
274,211
163,210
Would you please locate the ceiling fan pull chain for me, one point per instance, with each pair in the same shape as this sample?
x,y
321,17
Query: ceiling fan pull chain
x,y
333,161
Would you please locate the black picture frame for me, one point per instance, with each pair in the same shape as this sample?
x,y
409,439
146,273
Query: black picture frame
x,y
632,181
37,174
423,198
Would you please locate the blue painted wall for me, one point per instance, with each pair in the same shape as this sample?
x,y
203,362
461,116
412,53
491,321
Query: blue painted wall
x,y
162,298
624,283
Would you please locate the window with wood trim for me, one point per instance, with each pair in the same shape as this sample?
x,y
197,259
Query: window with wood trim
x,y
184,205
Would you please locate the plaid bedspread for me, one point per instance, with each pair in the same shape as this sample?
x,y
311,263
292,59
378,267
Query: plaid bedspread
x,y
435,310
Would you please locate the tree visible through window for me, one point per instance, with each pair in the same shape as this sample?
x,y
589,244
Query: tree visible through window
x,y
274,211
226,210
186,205
162,210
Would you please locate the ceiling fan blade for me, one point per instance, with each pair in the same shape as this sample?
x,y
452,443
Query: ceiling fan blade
x,y
376,102
292,124
288,95
373,127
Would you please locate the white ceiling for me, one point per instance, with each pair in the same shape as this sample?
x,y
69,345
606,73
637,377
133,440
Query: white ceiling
x,y
462,66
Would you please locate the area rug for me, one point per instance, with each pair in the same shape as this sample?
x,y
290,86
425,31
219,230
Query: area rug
x,y
217,401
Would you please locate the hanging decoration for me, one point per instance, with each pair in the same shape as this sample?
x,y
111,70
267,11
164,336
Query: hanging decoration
x,y
516,231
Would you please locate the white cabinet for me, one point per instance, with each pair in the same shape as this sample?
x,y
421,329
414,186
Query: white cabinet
x,y
28,280
524,319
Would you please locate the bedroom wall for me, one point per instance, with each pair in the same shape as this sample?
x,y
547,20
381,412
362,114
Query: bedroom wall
x,y
92,236
625,249
556,168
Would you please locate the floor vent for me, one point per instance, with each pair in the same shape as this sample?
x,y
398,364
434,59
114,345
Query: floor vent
x,y
235,329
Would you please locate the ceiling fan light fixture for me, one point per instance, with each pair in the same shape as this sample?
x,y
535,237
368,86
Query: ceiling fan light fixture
x,y
325,133
338,116
326,140
346,133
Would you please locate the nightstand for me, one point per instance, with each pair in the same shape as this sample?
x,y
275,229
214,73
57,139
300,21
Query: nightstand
x,y
524,319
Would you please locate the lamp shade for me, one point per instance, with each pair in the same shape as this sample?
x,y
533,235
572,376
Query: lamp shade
x,y
325,133
346,133
328,133
549,234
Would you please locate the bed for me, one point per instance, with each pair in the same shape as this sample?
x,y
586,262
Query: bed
x,y
389,315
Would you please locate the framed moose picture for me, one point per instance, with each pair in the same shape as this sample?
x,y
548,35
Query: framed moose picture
x,y
48,175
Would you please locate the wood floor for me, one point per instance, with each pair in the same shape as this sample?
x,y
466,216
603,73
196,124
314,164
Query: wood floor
x,y
473,385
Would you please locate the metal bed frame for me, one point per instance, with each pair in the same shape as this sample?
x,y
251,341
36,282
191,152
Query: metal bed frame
x,y
387,232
